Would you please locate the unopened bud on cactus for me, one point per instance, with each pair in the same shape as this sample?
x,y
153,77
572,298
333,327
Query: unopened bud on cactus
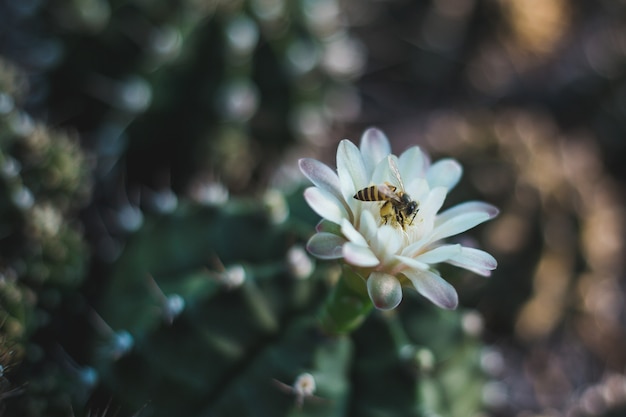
x,y
174,305
234,276
299,263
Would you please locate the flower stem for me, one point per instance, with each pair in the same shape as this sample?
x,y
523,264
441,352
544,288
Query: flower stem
x,y
347,305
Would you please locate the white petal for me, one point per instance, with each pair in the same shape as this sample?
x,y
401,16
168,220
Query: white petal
x,y
352,234
359,255
444,173
387,243
412,263
382,173
412,164
374,147
434,201
416,247
475,260
417,188
433,287
321,175
351,169
468,207
426,216
325,245
325,204
368,226
391,237
461,218
384,290
439,254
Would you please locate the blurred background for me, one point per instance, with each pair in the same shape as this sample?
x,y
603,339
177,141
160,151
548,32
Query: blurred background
x,y
152,223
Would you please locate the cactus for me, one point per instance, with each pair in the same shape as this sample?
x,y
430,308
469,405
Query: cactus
x,y
44,182
247,329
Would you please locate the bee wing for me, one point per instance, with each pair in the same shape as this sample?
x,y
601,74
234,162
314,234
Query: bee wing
x,y
396,172
389,191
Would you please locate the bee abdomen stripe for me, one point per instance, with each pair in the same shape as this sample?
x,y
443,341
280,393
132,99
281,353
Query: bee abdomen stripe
x,y
369,194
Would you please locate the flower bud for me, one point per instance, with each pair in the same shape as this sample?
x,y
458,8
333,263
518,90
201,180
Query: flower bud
x,y
299,263
384,290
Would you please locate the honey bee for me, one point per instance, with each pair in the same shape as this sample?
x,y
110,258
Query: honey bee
x,y
398,206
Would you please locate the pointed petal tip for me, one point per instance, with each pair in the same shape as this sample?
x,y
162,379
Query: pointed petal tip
x,y
321,175
328,226
475,260
447,301
451,304
434,288
344,143
305,165
492,211
373,133
492,263
445,173
374,146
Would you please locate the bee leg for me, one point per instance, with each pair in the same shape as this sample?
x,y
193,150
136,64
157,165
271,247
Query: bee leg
x,y
400,218
386,212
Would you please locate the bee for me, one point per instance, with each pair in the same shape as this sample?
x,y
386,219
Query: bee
x,y
398,206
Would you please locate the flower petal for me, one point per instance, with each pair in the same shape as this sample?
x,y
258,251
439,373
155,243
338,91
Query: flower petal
x,y
382,172
425,218
368,226
416,247
384,290
321,175
351,169
412,164
412,263
467,207
325,245
433,202
374,147
474,260
439,254
326,226
387,242
433,287
352,234
444,173
325,204
359,255
418,189
460,218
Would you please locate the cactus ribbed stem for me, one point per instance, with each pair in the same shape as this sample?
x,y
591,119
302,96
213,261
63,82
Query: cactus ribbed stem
x,y
347,305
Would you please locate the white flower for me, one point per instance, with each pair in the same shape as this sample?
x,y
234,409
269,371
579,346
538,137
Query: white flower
x,y
387,253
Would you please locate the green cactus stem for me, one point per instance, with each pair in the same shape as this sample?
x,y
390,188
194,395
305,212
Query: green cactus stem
x,y
347,305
